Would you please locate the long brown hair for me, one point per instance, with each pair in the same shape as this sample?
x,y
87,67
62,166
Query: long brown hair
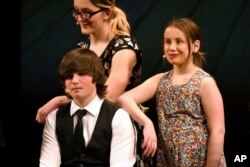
x,y
83,61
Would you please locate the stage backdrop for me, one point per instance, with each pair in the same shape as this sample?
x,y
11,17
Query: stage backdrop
x,y
48,31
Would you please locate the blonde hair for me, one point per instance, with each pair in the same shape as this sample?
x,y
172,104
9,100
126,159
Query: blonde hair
x,y
118,19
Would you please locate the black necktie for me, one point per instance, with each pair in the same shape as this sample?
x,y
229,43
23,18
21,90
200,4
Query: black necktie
x,y
79,129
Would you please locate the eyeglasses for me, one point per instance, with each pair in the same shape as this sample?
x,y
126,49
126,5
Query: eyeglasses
x,y
84,14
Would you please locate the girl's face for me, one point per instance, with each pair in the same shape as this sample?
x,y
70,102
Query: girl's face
x,y
88,16
176,47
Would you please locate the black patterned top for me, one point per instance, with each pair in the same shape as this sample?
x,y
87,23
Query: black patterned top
x,y
117,43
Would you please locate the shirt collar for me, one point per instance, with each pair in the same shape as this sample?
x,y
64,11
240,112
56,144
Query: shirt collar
x,y
93,107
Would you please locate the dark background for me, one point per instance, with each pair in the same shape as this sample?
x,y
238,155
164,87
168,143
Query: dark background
x,y
47,31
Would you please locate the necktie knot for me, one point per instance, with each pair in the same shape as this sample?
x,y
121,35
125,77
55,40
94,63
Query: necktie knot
x,y
80,113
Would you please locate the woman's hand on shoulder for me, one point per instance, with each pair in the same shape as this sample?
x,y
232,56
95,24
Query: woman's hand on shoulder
x,y
50,106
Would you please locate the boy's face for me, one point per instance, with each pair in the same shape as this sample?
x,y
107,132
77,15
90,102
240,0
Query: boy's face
x,y
80,88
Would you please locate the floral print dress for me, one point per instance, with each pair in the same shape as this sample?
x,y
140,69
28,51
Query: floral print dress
x,y
183,130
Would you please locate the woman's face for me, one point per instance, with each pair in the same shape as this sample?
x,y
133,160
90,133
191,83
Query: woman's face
x,y
88,16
